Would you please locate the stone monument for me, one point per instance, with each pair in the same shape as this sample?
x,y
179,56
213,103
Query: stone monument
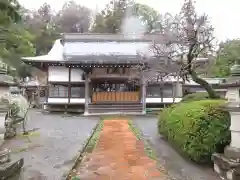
x,y
227,165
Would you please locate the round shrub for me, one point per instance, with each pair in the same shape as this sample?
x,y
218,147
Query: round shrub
x,y
195,96
197,128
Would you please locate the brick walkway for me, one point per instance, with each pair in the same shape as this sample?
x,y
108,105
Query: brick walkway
x,y
118,156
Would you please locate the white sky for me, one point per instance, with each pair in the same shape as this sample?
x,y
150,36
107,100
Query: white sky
x,y
224,14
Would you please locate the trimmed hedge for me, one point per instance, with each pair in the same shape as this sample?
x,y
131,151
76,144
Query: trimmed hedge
x,y
197,128
195,97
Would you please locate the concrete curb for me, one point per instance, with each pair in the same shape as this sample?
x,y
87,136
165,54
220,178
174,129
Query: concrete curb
x,y
82,151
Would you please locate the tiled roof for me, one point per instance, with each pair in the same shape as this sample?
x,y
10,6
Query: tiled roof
x,y
103,37
55,54
98,48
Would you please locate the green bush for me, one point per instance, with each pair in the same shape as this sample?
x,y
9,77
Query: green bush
x,y
197,128
195,96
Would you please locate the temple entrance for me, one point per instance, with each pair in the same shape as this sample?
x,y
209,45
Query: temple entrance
x,y
115,92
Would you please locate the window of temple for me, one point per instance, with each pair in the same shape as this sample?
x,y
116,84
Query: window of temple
x,y
167,92
195,89
77,91
58,91
154,91
222,94
158,92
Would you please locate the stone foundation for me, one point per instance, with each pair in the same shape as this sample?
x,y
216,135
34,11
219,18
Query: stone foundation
x,y
228,169
232,153
9,167
2,128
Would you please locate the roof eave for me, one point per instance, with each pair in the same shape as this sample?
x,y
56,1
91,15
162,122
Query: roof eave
x,y
95,37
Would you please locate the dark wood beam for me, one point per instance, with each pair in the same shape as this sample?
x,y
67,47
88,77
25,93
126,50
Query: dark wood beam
x,y
69,84
47,89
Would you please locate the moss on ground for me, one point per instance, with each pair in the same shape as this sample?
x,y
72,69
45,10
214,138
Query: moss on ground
x,y
90,145
114,117
147,148
30,134
94,139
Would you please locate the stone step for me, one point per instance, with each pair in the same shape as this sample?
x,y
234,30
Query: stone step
x,y
115,111
115,105
115,108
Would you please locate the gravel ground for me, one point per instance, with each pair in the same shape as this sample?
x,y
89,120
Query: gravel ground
x,y
51,148
177,167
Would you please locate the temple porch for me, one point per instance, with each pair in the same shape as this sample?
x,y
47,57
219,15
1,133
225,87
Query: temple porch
x,y
112,95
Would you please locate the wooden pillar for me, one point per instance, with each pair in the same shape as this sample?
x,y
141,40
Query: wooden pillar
x,y
38,96
161,92
86,94
179,90
69,85
143,96
47,88
45,104
174,92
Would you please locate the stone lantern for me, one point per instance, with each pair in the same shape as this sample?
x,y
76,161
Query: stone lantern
x,y
227,165
10,168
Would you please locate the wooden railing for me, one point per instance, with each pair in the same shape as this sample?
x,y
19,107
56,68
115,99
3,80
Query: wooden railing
x,y
115,97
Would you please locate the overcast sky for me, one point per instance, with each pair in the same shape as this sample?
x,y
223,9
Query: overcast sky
x,y
224,14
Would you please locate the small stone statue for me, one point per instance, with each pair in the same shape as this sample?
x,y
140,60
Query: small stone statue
x,y
9,168
15,114
11,130
6,122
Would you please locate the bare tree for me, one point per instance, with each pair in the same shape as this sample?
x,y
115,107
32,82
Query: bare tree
x,y
178,44
196,37
38,19
73,18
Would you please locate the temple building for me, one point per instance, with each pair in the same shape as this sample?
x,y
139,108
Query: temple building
x,y
90,73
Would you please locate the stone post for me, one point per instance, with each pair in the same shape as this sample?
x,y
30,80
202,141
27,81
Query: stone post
x,y
227,165
86,95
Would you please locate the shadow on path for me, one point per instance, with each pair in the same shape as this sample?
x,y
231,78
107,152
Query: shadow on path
x,y
177,167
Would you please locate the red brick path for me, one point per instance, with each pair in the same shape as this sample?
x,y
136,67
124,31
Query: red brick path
x,y
118,156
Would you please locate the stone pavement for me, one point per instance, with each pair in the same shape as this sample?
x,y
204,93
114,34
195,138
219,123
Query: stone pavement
x,y
51,148
177,167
